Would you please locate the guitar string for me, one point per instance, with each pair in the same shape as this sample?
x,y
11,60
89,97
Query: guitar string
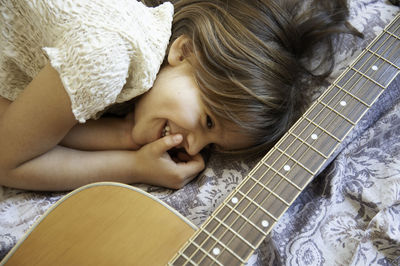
x,y
351,94
353,75
294,160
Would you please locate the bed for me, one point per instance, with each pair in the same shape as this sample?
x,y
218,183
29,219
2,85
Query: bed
x,y
348,215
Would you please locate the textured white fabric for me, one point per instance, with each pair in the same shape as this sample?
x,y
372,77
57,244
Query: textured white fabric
x,y
106,51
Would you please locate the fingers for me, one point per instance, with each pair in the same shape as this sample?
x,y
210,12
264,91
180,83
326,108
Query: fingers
x,y
192,167
178,169
185,170
166,143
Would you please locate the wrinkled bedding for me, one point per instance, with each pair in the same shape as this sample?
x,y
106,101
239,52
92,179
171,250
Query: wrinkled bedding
x,y
348,215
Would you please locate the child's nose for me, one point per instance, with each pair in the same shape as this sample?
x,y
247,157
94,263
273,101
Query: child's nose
x,y
195,143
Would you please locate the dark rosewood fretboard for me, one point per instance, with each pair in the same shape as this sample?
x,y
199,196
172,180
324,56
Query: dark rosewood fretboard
x,y
248,214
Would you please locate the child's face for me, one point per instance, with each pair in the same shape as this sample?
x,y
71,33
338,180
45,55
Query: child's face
x,y
174,103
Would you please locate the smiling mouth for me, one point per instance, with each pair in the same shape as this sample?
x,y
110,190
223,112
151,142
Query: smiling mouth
x,y
166,131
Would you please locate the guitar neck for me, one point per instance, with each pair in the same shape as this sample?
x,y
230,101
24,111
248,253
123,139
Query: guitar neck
x,y
237,228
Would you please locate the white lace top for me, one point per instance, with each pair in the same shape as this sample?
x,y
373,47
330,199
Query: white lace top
x,y
106,51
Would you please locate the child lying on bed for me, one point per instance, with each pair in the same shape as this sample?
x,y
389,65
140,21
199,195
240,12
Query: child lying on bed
x,y
233,76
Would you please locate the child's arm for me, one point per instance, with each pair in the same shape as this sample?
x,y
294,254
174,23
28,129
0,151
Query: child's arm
x,y
106,133
109,133
65,169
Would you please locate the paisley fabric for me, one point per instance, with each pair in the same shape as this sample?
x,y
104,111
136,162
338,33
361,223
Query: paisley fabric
x,y
348,215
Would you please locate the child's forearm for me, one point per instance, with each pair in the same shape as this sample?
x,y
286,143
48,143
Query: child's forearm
x,y
109,133
65,169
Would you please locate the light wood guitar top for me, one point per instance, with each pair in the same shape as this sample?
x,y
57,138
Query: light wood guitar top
x,y
104,224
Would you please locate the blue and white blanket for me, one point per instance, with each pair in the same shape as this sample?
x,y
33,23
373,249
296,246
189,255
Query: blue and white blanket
x,y
348,215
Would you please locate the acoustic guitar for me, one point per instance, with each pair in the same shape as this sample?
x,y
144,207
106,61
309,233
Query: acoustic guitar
x,y
115,224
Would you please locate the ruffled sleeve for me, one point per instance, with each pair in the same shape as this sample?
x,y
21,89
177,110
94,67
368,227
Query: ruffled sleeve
x,y
92,67
105,59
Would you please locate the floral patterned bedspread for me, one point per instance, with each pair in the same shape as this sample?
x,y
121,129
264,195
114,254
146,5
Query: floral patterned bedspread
x,y
348,215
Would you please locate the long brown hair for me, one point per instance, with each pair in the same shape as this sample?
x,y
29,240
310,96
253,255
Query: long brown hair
x,y
255,60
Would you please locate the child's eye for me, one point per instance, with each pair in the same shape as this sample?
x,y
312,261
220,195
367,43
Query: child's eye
x,y
209,122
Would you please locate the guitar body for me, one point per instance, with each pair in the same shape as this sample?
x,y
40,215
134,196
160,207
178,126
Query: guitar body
x,y
104,224
115,224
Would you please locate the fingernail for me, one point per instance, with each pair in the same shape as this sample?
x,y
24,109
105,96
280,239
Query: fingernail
x,y
177,138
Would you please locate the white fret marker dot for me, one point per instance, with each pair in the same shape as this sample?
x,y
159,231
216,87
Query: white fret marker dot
x,y
343,103
286,168
216,251
235,200
314,136
374,68
265,223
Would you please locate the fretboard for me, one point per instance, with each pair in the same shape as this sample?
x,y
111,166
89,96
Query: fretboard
x,y
239,225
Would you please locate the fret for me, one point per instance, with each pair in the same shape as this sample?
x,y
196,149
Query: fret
x,y
284,163
298,141
379,57
322,129
258,222
254,224
314,136
387,47
258,194
292,163
353,94
219,230
394,28
278,169
312,172
270,190
201,236
223,255
303,154
269,201
259,219
182,260
391,34
359,86
187,260
269,174
237,220
330,122
382,58
375,68
297,174
195,253
250,201
369,78
235,234
222,242
345,104
261,173
246,207
202,254
271,181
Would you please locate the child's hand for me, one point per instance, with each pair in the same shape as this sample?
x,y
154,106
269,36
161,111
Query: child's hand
x,y
153,164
